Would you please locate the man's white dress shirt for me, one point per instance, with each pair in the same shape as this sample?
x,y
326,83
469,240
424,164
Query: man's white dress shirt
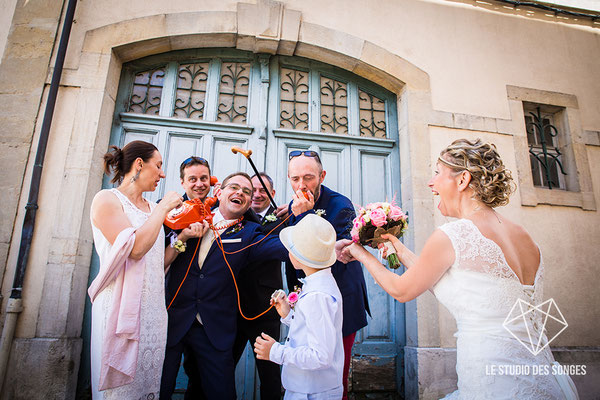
x,y
313,353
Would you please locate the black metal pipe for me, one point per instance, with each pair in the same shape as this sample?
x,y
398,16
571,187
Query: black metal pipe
x,y
34,187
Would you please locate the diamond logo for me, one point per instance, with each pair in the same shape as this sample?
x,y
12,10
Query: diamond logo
x,y
530,316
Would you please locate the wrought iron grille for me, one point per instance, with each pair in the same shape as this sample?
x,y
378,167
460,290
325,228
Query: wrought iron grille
x,y
293,99
543,153
233,92
190,95
372,115
147,91
334,106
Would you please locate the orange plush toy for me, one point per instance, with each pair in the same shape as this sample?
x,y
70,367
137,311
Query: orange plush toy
x,y
192,211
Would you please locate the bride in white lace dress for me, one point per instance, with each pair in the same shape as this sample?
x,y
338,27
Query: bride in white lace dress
x,y
478,267
138,168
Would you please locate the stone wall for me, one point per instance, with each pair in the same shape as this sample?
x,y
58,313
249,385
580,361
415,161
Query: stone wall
x,y
30,39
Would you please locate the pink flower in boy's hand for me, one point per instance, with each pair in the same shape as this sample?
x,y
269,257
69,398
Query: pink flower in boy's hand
x,y
378,217
292,298
396,213
354,235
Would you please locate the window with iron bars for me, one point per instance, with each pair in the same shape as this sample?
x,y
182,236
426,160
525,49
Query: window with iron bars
x,y
544,137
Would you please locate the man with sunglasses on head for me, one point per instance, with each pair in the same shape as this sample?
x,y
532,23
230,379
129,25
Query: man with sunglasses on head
x,y
201,294
310,196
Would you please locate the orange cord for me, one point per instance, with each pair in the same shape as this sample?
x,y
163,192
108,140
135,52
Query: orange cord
x,y
237,290
252,244
185,276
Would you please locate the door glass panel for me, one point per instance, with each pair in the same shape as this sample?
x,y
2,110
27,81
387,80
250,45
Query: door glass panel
x,y
334,106
233,92
147,91
372,115
293,99
190,96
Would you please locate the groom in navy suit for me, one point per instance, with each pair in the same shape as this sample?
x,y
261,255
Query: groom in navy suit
x,y
306,175
203,309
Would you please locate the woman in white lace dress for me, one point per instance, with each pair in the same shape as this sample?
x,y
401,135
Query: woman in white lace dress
x,y
479,267
138,168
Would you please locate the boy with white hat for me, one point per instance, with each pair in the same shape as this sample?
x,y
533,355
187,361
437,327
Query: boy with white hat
x,y
313,353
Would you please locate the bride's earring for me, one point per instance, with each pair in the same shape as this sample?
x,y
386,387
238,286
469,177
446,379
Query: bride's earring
x,y
136,176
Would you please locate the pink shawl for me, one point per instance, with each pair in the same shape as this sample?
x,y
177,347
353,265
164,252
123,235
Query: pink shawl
x,y
122,334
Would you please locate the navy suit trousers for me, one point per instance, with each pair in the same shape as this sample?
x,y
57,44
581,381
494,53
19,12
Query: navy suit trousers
x,y
215,367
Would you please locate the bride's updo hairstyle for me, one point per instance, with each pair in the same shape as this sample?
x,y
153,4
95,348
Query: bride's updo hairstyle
x,y
490,180
120,161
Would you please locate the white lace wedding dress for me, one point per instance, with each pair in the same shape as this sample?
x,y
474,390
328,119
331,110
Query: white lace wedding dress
x,y
153,316
480,290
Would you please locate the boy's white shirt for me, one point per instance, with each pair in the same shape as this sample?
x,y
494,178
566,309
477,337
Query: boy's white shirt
x,y
313,354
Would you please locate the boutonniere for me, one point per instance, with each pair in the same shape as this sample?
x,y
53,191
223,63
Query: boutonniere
x,y
320,212
269,218
293,296
236,228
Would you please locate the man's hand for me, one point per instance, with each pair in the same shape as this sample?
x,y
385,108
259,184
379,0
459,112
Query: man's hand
x,y
195,230
262,346
301,204
282,211
340,251
346,251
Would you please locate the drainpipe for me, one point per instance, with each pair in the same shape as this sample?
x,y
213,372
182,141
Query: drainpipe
x,y
15,302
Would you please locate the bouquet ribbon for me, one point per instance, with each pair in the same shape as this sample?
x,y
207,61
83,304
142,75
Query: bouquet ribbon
x,y
377,239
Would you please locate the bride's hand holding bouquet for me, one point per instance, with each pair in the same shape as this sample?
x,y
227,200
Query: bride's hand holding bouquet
x,y
398,247
375,224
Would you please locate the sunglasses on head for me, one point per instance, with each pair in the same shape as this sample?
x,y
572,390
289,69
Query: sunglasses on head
x,y
195,159
307,153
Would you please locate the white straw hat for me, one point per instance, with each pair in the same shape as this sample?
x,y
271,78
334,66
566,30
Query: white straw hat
x,y
311,241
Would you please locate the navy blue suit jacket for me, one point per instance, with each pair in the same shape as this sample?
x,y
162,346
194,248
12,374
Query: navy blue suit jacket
x,y
339,211
210,291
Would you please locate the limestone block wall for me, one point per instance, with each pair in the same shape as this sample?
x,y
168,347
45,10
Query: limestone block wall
x,y
30,38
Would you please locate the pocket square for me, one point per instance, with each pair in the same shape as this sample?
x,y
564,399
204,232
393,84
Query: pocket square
x,y
237,240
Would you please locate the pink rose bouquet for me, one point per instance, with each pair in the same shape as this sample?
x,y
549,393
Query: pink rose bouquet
x,y
376,219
